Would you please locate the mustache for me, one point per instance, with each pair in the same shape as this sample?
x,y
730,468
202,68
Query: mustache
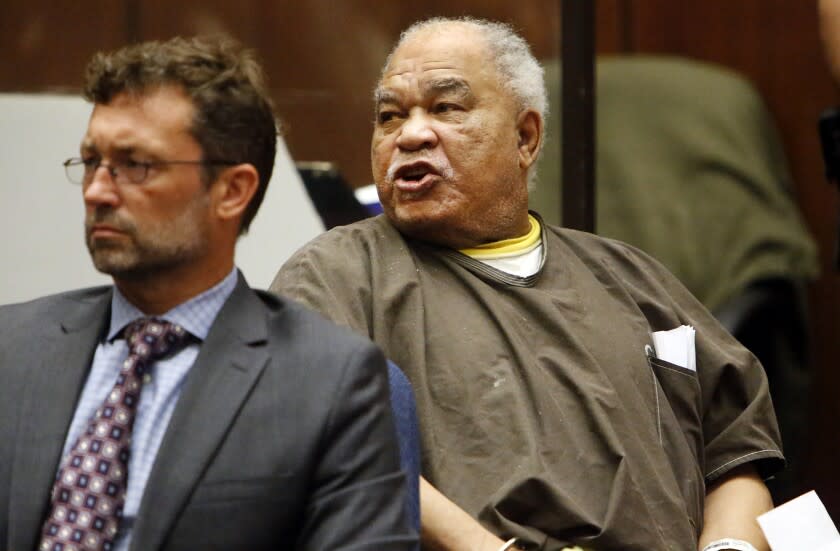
x,y
439,166
108,217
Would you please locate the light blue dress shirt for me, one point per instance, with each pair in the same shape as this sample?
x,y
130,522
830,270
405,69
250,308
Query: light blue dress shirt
x,y
160,394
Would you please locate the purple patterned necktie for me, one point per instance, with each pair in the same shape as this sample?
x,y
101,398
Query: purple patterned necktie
x,y
89,492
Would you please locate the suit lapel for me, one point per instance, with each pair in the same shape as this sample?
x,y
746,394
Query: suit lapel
x,y
230,361
56,375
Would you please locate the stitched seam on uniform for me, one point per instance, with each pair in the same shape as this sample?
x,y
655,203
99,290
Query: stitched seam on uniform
x,y
711,473
656,397
500,275
685,372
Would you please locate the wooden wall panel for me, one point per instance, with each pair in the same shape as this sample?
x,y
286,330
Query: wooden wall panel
x,y
162,19
45,45
323,60
612,19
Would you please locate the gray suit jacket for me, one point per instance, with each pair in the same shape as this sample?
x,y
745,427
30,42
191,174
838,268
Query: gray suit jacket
x,y
282,437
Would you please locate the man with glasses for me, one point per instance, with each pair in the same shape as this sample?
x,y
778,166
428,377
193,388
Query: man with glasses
x,y
179,408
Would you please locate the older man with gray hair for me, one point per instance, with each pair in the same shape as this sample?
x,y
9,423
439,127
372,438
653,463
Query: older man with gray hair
x,y
548,419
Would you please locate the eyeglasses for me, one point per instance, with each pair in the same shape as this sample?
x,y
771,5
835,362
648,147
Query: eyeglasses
x,y
81,171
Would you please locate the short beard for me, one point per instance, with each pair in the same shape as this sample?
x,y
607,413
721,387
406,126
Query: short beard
x,y
141,261
148,252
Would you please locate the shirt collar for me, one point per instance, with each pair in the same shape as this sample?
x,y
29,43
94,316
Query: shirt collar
x,y
195,315
517,246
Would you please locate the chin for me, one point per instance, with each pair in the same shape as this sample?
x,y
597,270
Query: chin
x,y
410,216
115,268
430,230
117,261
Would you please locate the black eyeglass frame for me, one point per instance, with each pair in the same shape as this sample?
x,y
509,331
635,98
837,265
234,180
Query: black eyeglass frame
x,y
124,168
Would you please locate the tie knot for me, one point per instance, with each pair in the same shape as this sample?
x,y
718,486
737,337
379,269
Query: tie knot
x,y
153,338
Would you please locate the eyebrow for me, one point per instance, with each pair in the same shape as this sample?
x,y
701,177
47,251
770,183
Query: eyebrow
x,y
383,95
456,85
88,146
448,84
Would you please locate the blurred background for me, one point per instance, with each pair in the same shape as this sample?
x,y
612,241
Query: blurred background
x,y
323,58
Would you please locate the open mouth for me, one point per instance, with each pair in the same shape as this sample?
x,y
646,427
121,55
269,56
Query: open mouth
x,y
413,173
415,177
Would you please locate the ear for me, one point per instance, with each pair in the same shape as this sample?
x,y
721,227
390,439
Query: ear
x,y
232,191
529,127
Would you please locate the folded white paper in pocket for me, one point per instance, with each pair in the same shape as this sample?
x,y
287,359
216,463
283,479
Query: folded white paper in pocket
x,y
676,346
801,523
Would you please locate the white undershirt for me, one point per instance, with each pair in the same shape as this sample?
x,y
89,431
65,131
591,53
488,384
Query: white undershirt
x,y
522,265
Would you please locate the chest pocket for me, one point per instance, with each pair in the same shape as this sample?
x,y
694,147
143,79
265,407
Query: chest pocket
x,y
678,407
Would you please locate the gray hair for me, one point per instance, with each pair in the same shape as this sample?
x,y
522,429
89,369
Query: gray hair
x,y
519,71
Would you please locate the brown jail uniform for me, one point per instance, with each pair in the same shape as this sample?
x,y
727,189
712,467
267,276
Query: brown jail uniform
x,y
540,413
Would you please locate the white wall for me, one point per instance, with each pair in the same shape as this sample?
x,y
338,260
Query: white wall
x,y
42,247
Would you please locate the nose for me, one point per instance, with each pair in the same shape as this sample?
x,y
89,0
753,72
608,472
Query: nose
x,y
417,132
101,189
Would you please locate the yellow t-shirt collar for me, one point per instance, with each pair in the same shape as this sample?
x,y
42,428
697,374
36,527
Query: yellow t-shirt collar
x,y
508,247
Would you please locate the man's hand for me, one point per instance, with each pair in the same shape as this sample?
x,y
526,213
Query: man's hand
x,y
732,505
